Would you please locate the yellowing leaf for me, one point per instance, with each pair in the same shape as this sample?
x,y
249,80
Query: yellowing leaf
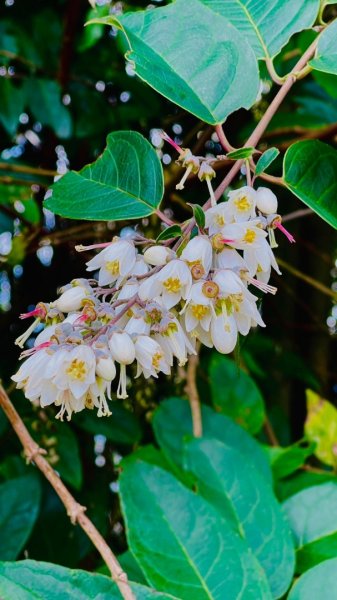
x,y
321,427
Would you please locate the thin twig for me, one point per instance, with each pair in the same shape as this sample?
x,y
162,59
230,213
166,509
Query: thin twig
x,y
297,214
74,510
270,433
309,280
193,395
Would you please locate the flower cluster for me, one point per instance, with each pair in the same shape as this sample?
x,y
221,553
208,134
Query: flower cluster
x,y
152,307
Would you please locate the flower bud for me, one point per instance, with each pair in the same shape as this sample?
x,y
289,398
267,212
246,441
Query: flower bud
x,y
105,368
157,255
206,171
71,299
266,201
122,348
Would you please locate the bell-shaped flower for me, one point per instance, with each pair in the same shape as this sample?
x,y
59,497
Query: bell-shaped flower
x,y
241,203
266,201
217,217
71,300
172,283
174,342
122,351
76,371
198,309
224,332
150,357
158,255
114,262
248,234
260,258
198,253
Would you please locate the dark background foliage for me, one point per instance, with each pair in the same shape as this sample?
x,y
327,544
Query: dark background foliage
x,y
63,88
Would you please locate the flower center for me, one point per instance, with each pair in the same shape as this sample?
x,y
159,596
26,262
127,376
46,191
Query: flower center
x,y
199,311
219,220
77,369
112,266
156,358
242,203
172,285
249,236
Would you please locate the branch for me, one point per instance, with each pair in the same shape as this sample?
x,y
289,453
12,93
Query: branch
x,y
74,510
193,395
309,280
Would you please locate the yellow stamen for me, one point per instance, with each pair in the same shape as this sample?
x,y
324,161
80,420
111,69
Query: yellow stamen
x,y
249,236
172,285
242,203
199,311
113,267
77,369
156,358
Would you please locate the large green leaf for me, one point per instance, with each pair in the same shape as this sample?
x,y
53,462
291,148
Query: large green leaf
x,y
193,58
312,516
200,555
125,182
326,54
19,508
225,478
320,583
310,172
29,579
236,394
172,425
267,26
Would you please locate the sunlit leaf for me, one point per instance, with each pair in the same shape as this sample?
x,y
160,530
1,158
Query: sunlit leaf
x,y
321,427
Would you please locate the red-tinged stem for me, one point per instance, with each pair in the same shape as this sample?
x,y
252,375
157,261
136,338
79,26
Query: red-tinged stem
x,y
164,218
223,139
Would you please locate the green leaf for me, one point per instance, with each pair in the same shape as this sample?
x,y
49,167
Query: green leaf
x,y
203,71
12,102
19,508
227,480
310,172
266,160
321,428
125,182
169,233
207,558
28,579
300,481
122,427
172,425
326,54
312,517
198,214
267,28
241,153
284,461
320,583
236,394
44,101
131,567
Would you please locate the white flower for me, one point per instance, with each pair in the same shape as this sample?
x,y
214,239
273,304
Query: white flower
x,y
228,282
266,201
229,258
123,351
224,333
150,357
217,217
105,368
198,308
198,252
114,262
174,342
76,370
172,283
71,299
140,267
158,255
243,235
137,325
241,203
31,373
260,258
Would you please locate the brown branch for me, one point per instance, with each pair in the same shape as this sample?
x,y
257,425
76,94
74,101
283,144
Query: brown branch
x,y
4,166
74,510
193,395
270,433
297,214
